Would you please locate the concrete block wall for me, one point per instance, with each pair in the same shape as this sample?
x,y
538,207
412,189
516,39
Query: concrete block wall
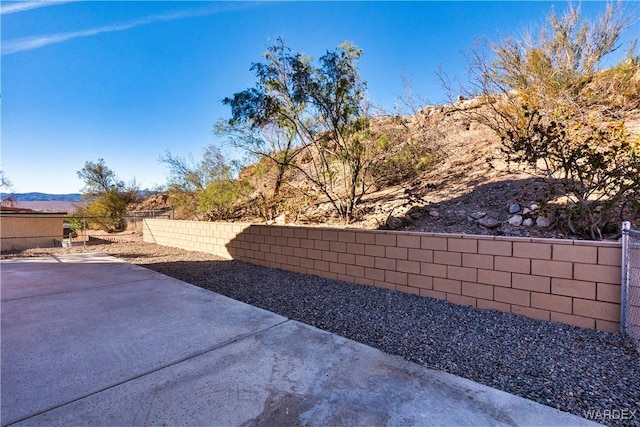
x,y
574,282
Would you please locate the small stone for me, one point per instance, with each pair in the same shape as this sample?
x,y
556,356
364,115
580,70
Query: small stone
x,y
534,207
515,220
477,215
434,213
543,222
526,211
527,222
393,223
415,215
514,208
489,222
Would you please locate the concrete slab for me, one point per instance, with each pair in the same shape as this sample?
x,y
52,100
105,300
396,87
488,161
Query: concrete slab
x,y
160,351
58,347
295,374
49,275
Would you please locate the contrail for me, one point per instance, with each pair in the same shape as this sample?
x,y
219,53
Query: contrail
x,y
29,43
28,5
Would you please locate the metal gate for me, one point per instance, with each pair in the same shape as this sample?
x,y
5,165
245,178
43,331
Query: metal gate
x,y
630,301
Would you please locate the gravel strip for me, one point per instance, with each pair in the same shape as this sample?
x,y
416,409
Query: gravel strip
x,y
572,369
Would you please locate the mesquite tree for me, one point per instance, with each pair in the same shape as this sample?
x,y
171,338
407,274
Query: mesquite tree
x,y
318,112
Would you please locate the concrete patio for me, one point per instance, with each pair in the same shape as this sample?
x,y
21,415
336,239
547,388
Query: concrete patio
x,y
88,339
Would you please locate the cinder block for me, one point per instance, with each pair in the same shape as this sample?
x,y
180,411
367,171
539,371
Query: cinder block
x,y
321,265
386,239
493,305
307,263
300,233
365,237
512,296
461,300
374,250
346,258
421,255
322,245
467,245
477,290
385,263
412,267
531,283
336,267
610,256
419,281
572,253
364,281
373,274
347,236
557,303
365,261
329,256
477,261
597,309
515,265
293,261
408,290
560,269
533,313
314,234
603,325
408,241
330,235
447,258
462,273
395,277
288,232
314,254
447,285
433,294
492,277
598,273
573,288
570,319
495,247
355,248
396,253
434,270
385,285
286,250
609,293
355,271
434,243
338,246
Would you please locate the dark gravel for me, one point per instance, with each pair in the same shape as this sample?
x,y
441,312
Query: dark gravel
x,y
568,368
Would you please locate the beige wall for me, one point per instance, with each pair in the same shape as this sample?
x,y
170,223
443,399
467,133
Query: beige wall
x,y
574,282
29,230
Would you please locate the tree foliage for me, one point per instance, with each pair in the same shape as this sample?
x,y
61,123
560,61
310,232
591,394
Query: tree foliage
x,y
207,189
311,118
558,113
108,196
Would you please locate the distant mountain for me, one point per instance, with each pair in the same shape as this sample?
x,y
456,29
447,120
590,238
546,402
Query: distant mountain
x,y
44,197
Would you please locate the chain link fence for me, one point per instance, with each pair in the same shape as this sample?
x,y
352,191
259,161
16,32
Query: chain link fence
x,y
630,300
42,230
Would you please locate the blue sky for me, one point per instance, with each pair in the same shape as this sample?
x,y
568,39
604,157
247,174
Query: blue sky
x,y
126,81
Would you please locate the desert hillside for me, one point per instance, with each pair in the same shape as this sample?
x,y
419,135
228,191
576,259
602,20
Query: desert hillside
x,y
469,189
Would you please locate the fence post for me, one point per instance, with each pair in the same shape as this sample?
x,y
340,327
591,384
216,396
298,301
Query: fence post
x,y
626,226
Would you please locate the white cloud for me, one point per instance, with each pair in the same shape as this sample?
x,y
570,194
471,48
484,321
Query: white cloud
x,y
29,43
28,5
